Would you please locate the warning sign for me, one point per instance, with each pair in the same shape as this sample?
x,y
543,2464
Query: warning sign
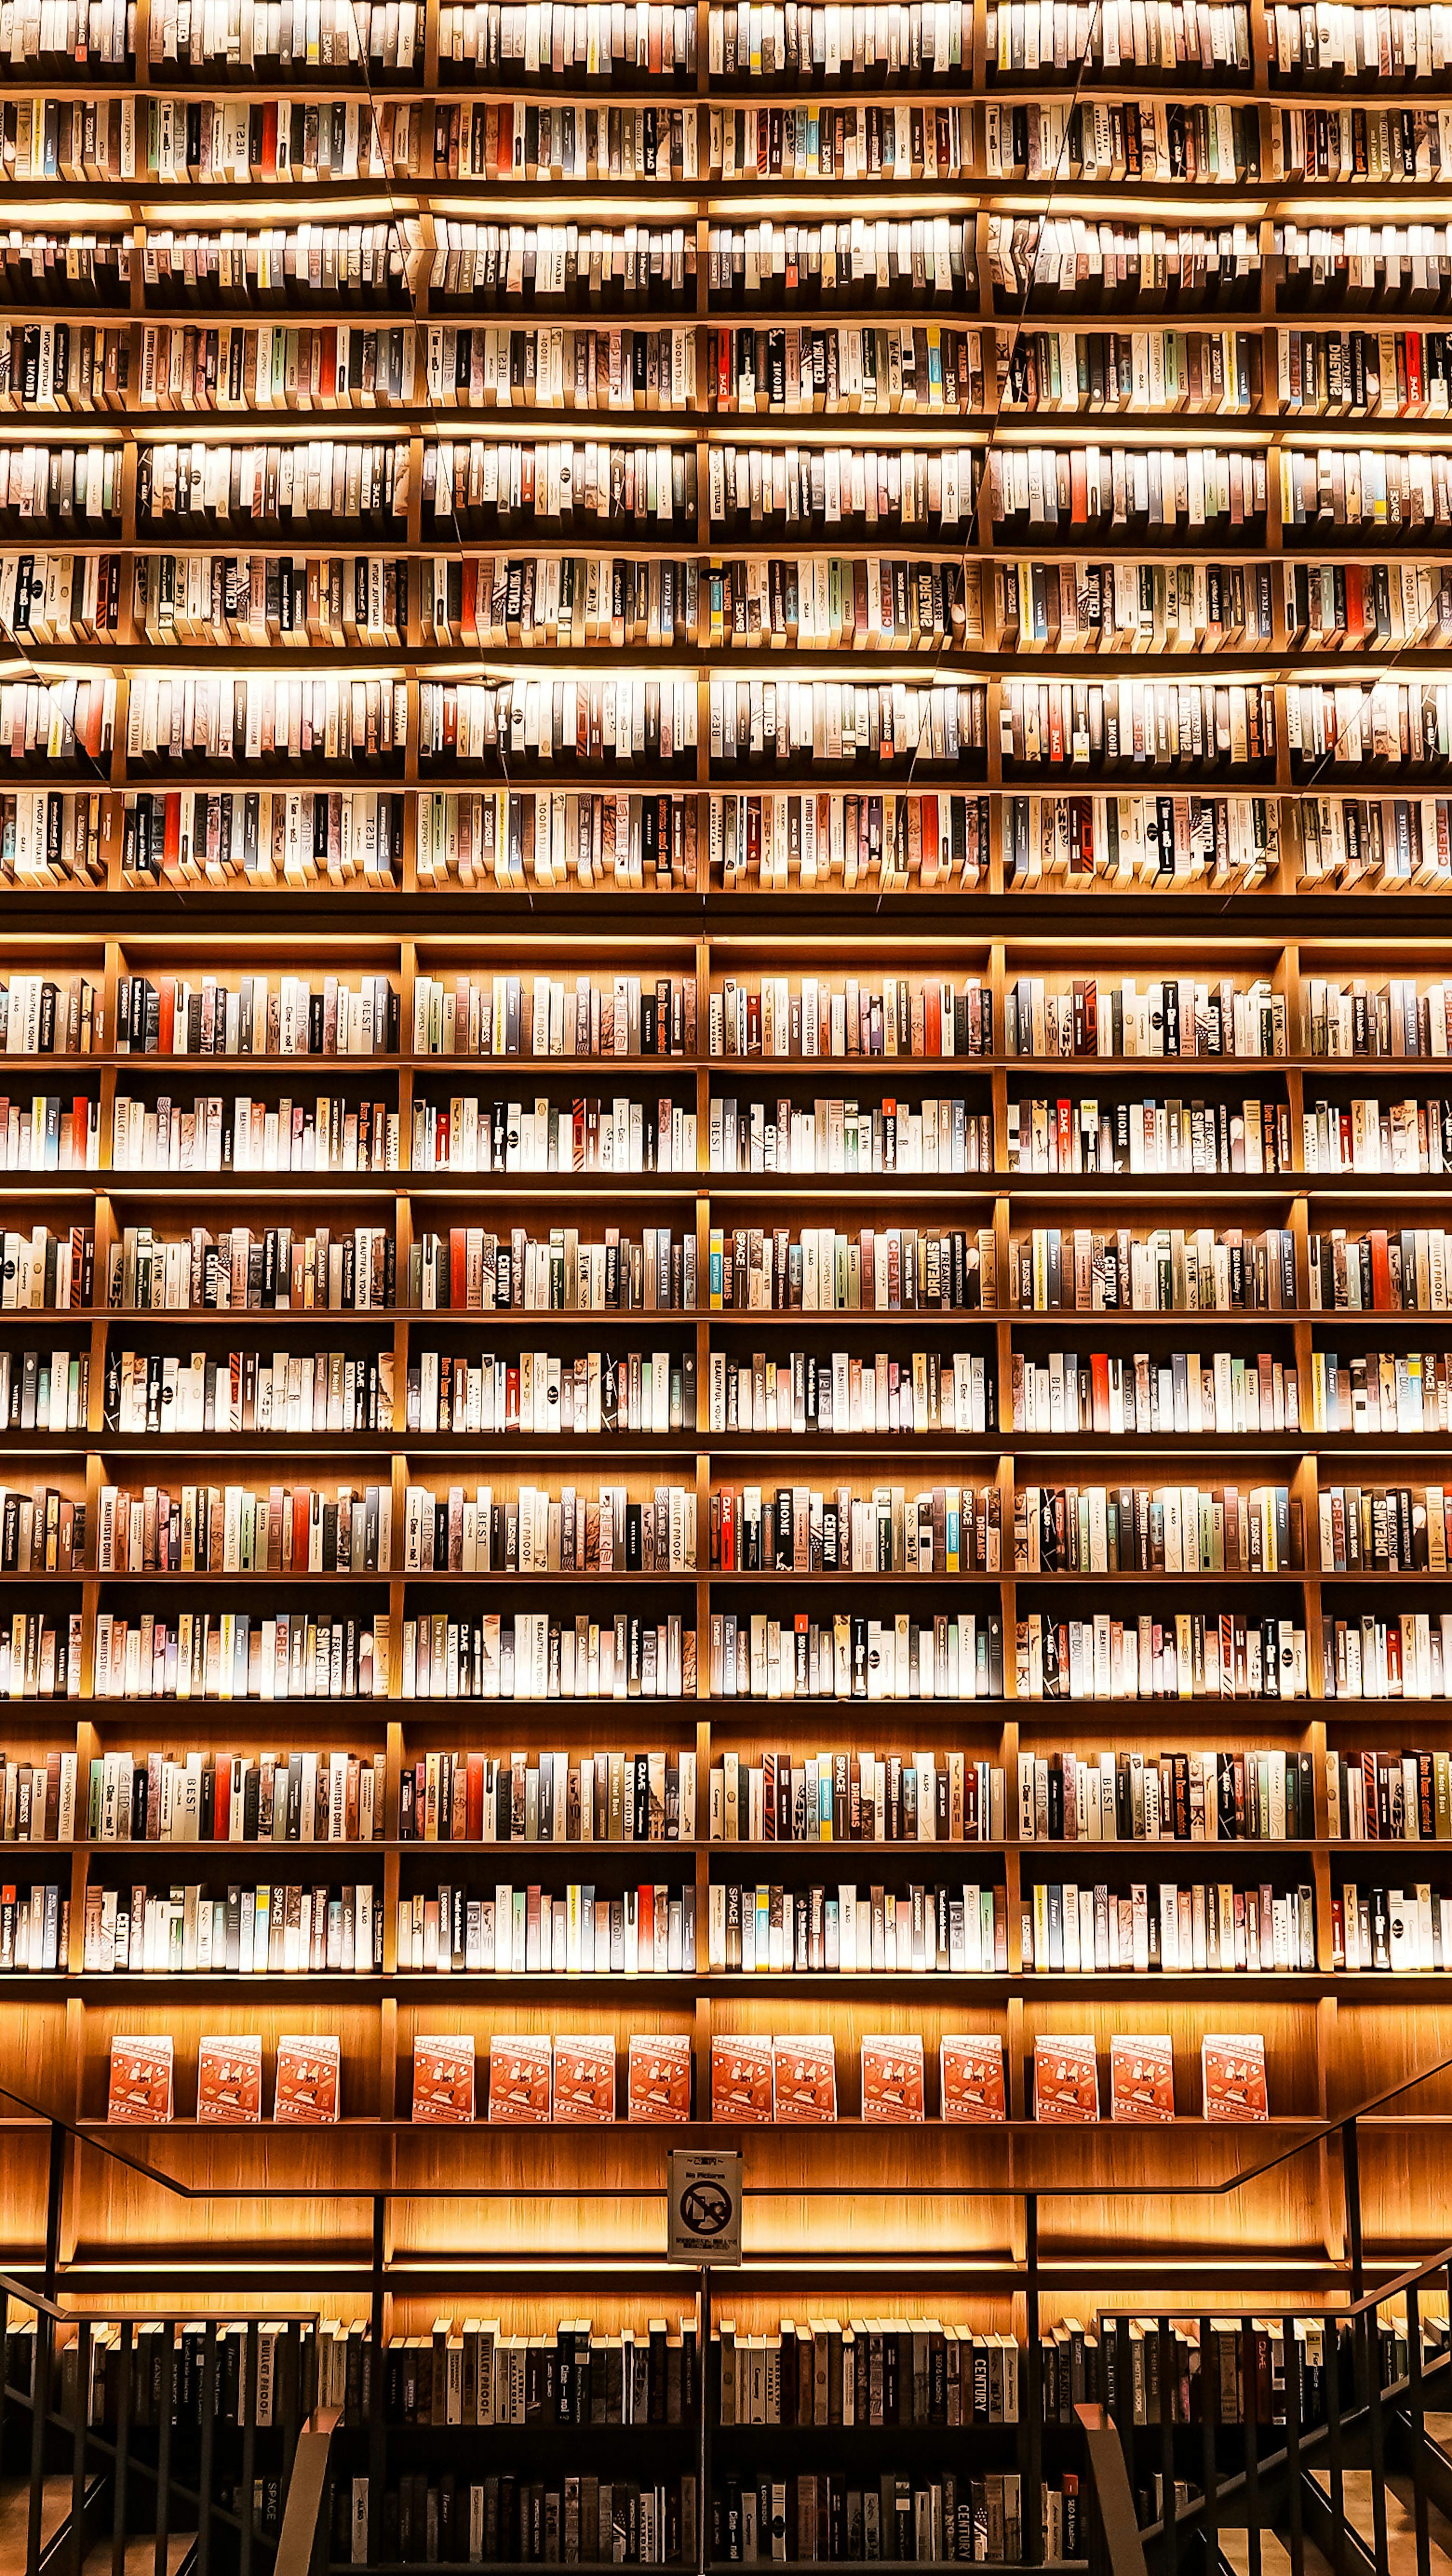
x,y
705,2208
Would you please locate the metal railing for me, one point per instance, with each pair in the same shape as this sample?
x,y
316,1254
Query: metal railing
x,y
180,2428
1253,2474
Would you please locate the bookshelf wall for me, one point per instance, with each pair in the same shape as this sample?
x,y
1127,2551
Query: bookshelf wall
x,y
709,517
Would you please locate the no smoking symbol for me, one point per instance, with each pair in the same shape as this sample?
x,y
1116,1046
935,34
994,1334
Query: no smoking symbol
x,y
706,2208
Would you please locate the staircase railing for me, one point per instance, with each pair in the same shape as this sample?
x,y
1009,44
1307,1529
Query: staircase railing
x,y
181,2428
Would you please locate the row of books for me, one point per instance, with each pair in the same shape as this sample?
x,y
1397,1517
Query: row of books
x,y
621,720
1406,1931
216,1529
847,1655
1077,1136
816,141
1175,1016
322,1134
1382,1271
148,1392
580,1394
769,1929
45,1390
1369,1136
805,1393
1144,1395
809,603
623,1015
1167,1270
268,1931
1216,1928
1159,724
801,1529
1165,1529
292,837
1173,1654
537,1656
578,1930
1059,35
837,1135
882,1270
1261,1795
236,1270
311,1796
239,1654
1399,1657
588,1135
1403,1392
1102,725
1383,1530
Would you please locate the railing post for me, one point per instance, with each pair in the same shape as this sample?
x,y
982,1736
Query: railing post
x,y
1296,2542
1209,2415
703,2433
123,2449
248,2514
1351,2186
204,2468
163,2443
1333,2446
78,2450
39,2421
1169,2528
1416,2411
54,2202
1032,2542
1250,2414
377,2442
1372,2353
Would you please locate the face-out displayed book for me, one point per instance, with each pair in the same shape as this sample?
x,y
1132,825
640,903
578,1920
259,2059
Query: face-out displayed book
x,y
892,2079
970,2076
520,2074
229,2081
659,2082
140,2093
584,2080
309,2074
1066,2078
443,2078
1232,2066
1141,2077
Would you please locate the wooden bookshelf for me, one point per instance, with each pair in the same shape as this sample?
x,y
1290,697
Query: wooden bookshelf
x,y
1064,684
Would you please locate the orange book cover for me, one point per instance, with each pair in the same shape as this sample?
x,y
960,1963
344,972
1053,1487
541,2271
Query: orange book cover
x,y
892,2078
660,2076
1233,2066
1066,2079
1141,2076
308,2072
741,2077
971,2074
585,2080
229,2081
804,2078
140,2094
519,2077
443,2078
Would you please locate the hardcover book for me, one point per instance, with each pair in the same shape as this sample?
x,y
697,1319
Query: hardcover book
x,y
140,2092
1141,2077
659,2085
892,2078
804,2079
971,2075
229,2081
307,2080
443,2078
1232,2065
585,2080
519,2077
1066,2079
741,2077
